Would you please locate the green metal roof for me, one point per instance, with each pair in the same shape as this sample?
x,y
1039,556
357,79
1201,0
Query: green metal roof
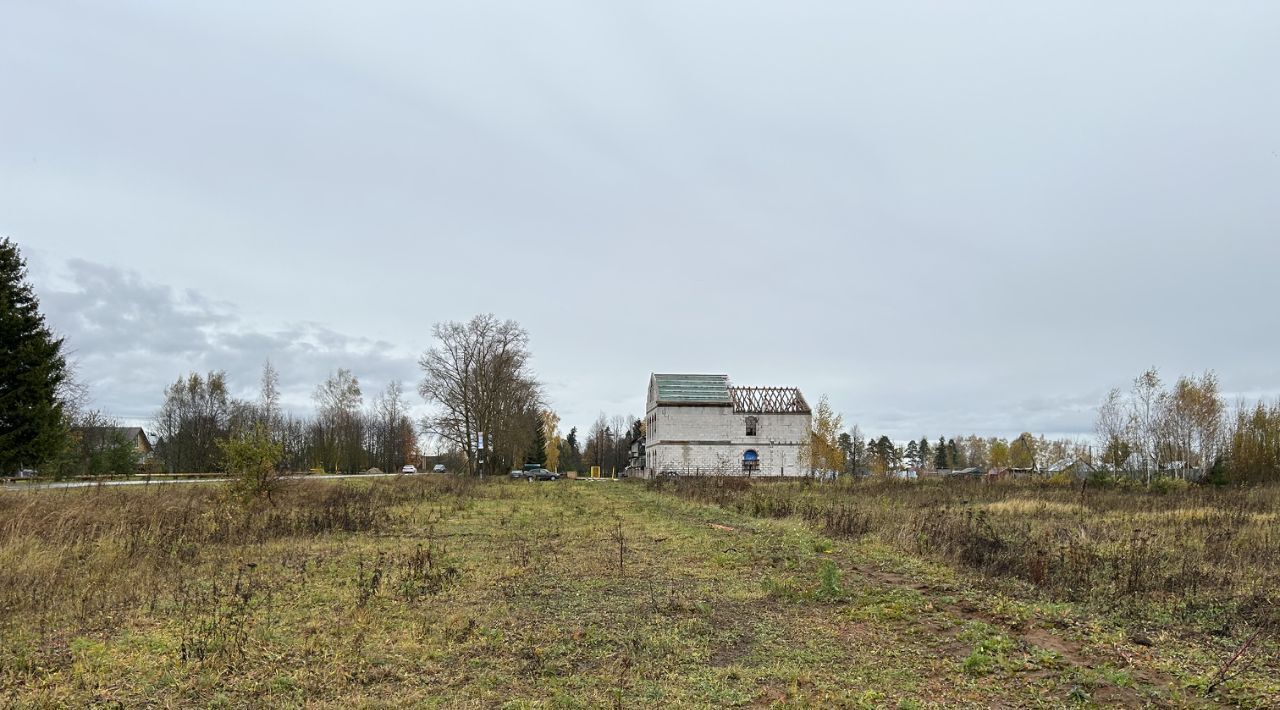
x,y
693,389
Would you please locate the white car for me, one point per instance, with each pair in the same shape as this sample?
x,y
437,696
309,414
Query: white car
x,y
438,468
409,468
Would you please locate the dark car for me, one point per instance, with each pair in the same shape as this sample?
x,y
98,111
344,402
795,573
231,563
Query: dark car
x,y
536,474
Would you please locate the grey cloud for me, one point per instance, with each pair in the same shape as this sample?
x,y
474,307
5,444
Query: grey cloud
x,y
930,211
130,339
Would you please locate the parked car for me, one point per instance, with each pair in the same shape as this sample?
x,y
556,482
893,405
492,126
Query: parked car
x,y
536,474
438,468
409,468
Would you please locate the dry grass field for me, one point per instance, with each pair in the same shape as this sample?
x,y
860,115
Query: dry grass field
x,y
439,592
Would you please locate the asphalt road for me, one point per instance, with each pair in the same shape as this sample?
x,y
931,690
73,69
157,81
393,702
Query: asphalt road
x,y
173,481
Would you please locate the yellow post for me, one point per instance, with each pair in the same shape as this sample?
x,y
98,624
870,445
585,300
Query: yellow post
x,y
595,471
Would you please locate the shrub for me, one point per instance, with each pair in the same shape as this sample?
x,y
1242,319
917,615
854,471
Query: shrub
x,y
251,457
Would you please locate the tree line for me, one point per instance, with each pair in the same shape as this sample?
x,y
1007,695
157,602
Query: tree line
x,y
1188,426
833,449
1186,430
344,435
478,377
489,414
44,421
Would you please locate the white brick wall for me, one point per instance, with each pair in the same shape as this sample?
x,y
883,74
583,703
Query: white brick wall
x,y
713,439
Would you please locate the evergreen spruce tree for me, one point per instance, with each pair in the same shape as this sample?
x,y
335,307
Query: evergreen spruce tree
x,y
940,455
570,454
912,455
845,442
32,370
884,449
926,454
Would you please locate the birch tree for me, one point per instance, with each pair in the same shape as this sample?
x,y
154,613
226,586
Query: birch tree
x,y
822,451
551,430
1114,430
1144,412
1192,421
269,400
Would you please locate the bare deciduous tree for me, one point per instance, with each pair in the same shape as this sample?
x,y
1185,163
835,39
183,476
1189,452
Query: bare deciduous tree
x,y
340,426
195,416
478,378
391,442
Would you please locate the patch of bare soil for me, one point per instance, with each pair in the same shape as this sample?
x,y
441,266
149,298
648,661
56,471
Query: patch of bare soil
x,y
1073,653
731,654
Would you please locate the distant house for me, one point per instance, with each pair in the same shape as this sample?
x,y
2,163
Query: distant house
x,y
636,454
99,438
971,472
1072,467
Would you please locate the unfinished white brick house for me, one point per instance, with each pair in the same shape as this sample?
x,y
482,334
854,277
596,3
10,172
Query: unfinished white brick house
x,y
700,424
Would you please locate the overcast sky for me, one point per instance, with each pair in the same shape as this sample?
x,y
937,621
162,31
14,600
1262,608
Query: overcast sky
x,y
950,217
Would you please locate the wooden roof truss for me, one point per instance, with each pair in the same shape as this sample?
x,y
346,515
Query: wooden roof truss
x,y
768,400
